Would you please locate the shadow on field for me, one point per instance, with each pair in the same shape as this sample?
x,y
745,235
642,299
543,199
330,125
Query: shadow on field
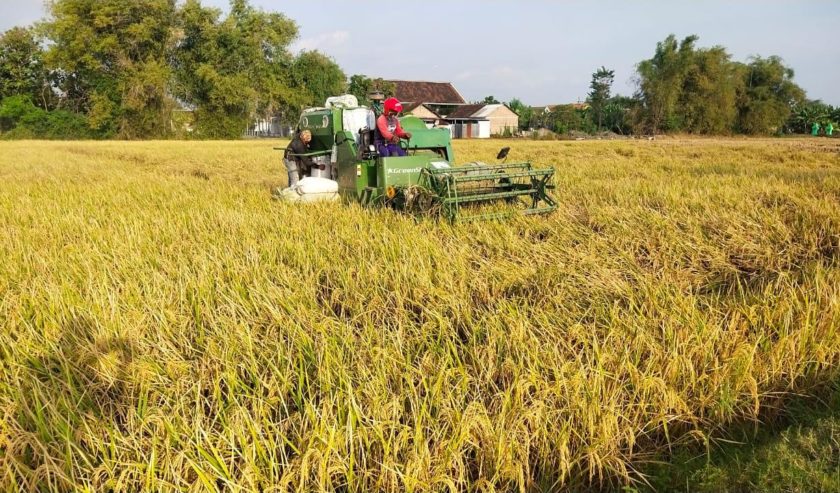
x,y
85,373
796,448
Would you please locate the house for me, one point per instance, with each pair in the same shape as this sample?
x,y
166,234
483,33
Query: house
x,y
423,112
269,127
482,120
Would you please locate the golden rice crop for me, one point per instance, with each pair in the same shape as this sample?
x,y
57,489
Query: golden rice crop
x,y
165,326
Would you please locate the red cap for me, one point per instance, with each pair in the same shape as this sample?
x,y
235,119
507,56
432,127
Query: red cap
x,y
393,105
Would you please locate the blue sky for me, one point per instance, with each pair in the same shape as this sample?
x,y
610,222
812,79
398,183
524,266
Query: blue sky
x,y
544,51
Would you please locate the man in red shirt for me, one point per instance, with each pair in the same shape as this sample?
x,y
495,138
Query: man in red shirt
x,y
388,130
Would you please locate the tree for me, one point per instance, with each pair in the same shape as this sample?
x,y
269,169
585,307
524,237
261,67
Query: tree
x,y
525,112
701,90
317,77
710,92
490,100
22,71
361,85
769,96
234,69
109,58
804,115
567,118
660,82
618,114
602,81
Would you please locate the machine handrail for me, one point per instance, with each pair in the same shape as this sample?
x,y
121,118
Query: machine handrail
x,y
306,154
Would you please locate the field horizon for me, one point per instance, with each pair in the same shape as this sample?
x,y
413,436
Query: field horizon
x,y
165,325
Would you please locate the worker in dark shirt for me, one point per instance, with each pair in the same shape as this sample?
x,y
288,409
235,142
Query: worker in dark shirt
x,y
297,165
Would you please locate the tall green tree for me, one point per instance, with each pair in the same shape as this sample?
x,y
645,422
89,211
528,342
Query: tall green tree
x,y
22,70
769,96
701,90
709,94
110,60
317,77
234,69
660,81
599,94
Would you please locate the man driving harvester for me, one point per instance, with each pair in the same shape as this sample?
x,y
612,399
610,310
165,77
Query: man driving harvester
x,y
388,130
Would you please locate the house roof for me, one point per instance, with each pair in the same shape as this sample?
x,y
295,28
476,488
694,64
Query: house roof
x,y
489,109
466,111
427,92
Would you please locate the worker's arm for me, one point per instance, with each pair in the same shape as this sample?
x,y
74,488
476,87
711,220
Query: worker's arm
x,y
400,132
298,147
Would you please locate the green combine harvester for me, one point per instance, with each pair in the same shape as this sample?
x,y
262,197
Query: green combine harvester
x,y
426,180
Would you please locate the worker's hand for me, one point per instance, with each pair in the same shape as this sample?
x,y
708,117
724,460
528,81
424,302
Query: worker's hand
x,y
408,135
395,139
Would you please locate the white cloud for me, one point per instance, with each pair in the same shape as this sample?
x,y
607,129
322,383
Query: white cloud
x,y
330,42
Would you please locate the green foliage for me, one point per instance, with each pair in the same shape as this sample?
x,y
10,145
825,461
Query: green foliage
x,y
709,96
360,85
317,77
564,119
602,81
490,100
111,59
525,112
619,114
22,70
236,68
804,115
20,118
660,82
701,90
126,66
769,96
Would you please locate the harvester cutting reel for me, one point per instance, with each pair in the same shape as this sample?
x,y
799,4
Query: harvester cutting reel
x,y
479,191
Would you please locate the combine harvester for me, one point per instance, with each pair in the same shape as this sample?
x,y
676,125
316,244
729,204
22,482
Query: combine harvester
x,y
426,180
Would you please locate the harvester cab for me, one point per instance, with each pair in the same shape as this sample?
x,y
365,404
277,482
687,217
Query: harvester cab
x,y
425,180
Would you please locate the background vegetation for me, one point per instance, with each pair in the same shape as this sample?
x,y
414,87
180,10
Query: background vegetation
x,y
165,326
134,69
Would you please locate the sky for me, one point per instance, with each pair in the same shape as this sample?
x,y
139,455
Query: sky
x,y
543,51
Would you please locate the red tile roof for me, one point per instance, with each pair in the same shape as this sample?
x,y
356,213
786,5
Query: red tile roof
x,y
427,92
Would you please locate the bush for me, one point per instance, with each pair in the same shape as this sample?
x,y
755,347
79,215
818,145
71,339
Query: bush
x,y
21,119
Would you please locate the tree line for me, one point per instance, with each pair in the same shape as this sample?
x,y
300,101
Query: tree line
x,y
683,88
146,69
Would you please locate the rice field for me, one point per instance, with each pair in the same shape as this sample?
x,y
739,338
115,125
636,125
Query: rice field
x,y
166,326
